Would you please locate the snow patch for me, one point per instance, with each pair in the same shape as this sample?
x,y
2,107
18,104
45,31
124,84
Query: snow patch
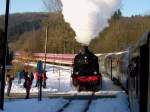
x,y
33,105
119,104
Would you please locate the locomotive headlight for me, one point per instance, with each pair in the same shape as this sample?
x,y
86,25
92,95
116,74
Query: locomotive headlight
x,y
85,57
77,73
95,72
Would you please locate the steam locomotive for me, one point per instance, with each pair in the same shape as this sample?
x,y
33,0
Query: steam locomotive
x,y
86,75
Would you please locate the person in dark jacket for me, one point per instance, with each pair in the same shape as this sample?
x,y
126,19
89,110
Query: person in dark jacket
x,y
134,67
31,76
20,75
9,80
27,86
44,78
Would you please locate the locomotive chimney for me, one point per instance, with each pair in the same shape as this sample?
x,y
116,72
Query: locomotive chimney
x,y
84,49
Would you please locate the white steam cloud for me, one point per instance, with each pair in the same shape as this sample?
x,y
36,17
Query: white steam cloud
x,y
88,17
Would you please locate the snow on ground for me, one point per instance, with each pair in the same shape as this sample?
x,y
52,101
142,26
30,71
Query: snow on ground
x,y
119,104
33,105
59,80
107,85
76,106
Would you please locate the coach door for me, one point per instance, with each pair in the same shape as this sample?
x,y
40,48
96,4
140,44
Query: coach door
x,y
144,72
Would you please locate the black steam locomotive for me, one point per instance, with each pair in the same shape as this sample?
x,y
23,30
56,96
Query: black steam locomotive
x,y
86,71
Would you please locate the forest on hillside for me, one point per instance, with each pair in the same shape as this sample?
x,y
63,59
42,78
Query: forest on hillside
x,y
27,32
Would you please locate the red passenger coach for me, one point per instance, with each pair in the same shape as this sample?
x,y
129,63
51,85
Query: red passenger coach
x,y
65,59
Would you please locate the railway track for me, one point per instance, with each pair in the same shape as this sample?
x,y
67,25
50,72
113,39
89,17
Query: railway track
x,y
89,103
76,102
65,106
77,106
71,103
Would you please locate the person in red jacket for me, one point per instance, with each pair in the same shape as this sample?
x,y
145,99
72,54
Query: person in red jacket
x,y
37,79
27,85
43,79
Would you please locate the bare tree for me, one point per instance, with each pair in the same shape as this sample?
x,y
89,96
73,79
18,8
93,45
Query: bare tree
x,y
53,5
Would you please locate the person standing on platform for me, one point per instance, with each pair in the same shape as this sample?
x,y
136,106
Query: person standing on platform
x,y
27,86
31,76
9,80
37,79
44,78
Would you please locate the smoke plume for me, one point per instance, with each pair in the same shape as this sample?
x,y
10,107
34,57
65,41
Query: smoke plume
x,y
88,17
